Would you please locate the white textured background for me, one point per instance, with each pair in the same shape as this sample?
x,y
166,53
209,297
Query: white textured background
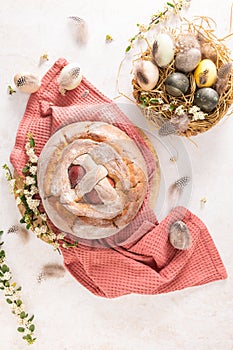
x,y
67,316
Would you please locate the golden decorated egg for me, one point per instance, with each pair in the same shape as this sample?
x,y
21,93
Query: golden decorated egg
x,y
205,74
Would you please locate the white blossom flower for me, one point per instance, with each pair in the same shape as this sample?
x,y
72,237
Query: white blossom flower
x,y
22,321
18,201
15,295
33,158
19,191
33,170
41,230
179,110
37,231
13,307
20,309
43,217
33,190
27,146
33,203
44,228
142,28
197,113
30,180
12,185
185,3
64,245
60,236
2,260
7,276
9,290
17,309
55,245
52,236
165,107
194,109
199,116
30,151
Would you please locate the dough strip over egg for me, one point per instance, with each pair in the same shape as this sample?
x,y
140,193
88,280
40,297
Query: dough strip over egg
x,y
92,179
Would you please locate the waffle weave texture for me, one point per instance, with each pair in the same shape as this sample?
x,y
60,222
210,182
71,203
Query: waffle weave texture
x,y
139,259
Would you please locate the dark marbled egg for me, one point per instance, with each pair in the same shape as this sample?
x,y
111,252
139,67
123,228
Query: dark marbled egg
x,y
206,98
177,84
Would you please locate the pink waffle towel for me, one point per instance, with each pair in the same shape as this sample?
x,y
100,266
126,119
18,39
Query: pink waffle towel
x,y
140,258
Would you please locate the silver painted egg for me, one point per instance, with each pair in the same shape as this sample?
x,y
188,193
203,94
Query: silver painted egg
x,y
177,84
188,60
206,98
179,236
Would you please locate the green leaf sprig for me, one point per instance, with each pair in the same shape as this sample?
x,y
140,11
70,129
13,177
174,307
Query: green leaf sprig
x,y
13,298
11,91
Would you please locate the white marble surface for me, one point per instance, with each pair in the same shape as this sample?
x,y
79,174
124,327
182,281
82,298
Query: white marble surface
x,y
67,316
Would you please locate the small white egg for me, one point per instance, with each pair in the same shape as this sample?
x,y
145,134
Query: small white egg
x,y
69,78
146,74
163,49
28,83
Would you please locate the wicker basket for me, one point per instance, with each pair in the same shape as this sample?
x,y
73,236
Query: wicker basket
x,y
155,113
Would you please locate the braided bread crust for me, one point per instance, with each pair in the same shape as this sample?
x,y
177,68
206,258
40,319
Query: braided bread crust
x,y
110,182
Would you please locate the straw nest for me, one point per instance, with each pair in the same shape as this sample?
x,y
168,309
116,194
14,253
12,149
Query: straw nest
x,y
157,113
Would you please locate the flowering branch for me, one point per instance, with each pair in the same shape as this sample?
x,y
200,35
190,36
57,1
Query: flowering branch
x,y
12,294
174,7
27,195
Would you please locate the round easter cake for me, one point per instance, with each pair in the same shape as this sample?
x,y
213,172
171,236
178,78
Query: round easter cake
x,y
92,179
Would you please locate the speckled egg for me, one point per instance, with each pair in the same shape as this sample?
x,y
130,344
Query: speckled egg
x,y
206,98
26,82
163,49
188,60
70,77
177,84
186,41
206,73
146,74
